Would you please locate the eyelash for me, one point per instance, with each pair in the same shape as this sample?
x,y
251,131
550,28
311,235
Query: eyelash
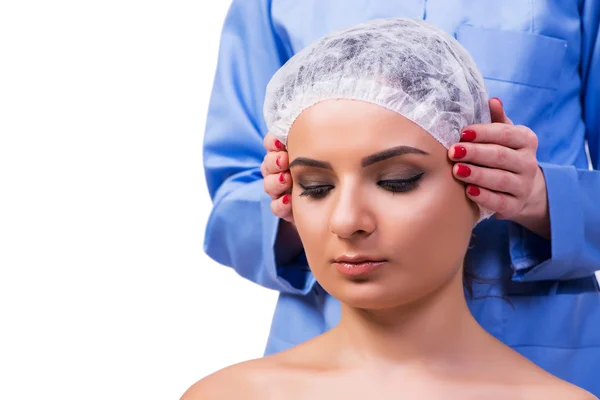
x,y
316,192
393,185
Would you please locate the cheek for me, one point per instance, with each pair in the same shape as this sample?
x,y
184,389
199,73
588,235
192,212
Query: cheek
x,y
312,222
432,225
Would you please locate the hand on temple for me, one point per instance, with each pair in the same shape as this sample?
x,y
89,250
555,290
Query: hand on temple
x,y
498,162
278,185
277,178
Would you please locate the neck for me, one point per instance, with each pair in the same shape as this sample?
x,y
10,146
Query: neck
x,y
436,329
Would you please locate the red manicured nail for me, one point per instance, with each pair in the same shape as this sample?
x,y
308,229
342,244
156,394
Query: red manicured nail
x,y
282,177
468,136
473,191
459,152
278,144
500,101
277,162
463,171
286,199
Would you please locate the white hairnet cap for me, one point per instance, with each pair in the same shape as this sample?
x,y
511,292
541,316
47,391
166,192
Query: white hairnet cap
x,y
407,66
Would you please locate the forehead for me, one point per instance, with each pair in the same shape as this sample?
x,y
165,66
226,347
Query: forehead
x,y
355,127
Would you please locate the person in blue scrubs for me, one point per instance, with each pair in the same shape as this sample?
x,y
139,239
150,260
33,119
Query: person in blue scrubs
x,y
537,291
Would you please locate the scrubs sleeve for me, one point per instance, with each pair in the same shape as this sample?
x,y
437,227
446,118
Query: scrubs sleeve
x,y
241,228
573,194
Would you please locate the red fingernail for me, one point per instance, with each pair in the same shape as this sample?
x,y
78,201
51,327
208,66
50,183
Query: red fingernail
x,y
473,191
468,136
500,101
459,152
286,199
278,144
282,177
277,162
463,171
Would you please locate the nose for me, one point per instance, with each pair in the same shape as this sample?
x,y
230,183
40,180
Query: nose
x,y
351,216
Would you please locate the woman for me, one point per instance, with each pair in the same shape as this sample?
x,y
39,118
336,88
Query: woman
x,y
370,112
542,58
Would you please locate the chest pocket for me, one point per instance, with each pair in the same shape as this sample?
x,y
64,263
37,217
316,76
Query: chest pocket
x,y
517,57
523,69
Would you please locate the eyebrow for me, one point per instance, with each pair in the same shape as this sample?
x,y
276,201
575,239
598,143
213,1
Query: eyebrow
x,y
389,153
369,160
309,162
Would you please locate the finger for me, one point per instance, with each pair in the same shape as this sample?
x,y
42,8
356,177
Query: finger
x,y
277,184
515,137
504,205
492,179
489,155
282,207
497,111
275,162
271,143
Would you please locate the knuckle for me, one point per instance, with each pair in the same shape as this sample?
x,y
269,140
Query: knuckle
x,y
271,161
531,165
265,171
501,155
521,189
504,181
506,133
521,138
275,208
532,140
267,161
269,186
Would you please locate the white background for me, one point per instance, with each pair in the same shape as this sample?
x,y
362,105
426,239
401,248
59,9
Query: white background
x,y
105,292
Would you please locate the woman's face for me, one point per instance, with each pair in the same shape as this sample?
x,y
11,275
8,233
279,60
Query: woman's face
x,y
374,192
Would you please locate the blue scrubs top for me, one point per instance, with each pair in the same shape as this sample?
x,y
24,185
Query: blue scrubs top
x,y
542,58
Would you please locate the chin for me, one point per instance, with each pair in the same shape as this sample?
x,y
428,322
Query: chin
x,y
371,295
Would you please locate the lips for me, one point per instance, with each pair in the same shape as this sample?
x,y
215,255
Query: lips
x,y
356,265
357,259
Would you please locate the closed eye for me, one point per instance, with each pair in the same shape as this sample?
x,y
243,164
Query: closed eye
x,y
400,185
316,191
392,185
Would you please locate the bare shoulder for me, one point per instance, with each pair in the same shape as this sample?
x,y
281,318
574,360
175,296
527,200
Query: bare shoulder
x,y
535,383
560,389
247,380
274,376
553,388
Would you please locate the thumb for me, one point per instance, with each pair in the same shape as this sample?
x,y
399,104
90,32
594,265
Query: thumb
x,y
497,111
